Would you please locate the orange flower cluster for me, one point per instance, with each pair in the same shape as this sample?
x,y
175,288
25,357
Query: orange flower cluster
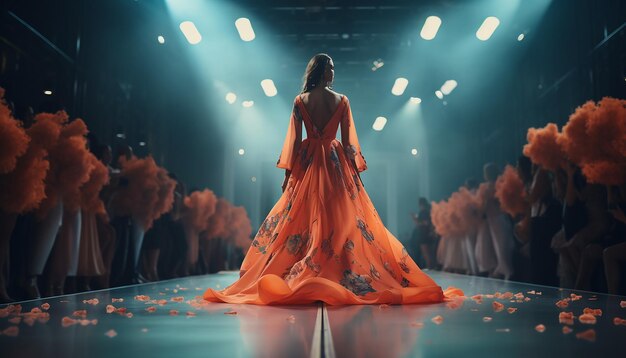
x,y
458,215
199,207
543,147
594,139
149,192
511,192
13,138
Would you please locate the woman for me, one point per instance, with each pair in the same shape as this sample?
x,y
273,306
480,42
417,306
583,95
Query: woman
x,y
422,236
499,226
323,240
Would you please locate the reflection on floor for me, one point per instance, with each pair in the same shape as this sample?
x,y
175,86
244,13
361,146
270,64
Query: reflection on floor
x,y
166,319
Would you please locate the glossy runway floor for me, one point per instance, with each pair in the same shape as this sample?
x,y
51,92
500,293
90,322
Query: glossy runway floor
x,y
166,319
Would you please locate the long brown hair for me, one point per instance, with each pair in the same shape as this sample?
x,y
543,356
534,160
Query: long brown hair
x,y
314,72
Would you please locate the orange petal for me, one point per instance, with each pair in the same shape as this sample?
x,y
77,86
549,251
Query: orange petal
x,y
45,306
540,328
173,312
511,309
456,304
619,321
84,322
110,308
114,300
231,312
11,331
566,318
151,309
417,324
588,335
567,330
562,303
111,333
67,321
487,319
497,306
592,311
80,313
622,304
178,299
587,318
30,321
437,320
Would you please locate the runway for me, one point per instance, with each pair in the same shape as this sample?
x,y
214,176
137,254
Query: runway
x,y
169,319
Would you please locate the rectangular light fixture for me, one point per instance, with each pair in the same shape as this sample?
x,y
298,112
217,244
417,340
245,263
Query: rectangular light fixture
x,y
448,87
244,27
399,86
379,123
430,28
487,28
269,88
191,32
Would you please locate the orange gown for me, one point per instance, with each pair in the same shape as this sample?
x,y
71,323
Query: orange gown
x,y
323,240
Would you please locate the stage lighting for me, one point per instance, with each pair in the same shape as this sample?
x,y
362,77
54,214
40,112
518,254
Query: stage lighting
x,y
120,135
414,151
430,28
161,39
487,28
269,88
448,86
191,32
378,64
244,27
253,179
415,100
247,104
47,92
379,123
520,37
241,151
439,94
142,144
399,86
231,97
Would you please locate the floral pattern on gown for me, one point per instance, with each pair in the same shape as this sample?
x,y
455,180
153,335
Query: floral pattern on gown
x,y
323,240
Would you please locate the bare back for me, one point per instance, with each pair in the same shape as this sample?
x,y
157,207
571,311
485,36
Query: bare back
x,y
321,104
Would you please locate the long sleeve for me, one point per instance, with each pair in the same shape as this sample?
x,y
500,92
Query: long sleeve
x,y
293,139
349,139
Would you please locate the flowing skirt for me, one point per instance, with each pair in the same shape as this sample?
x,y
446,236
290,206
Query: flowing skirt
x,y
324,241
